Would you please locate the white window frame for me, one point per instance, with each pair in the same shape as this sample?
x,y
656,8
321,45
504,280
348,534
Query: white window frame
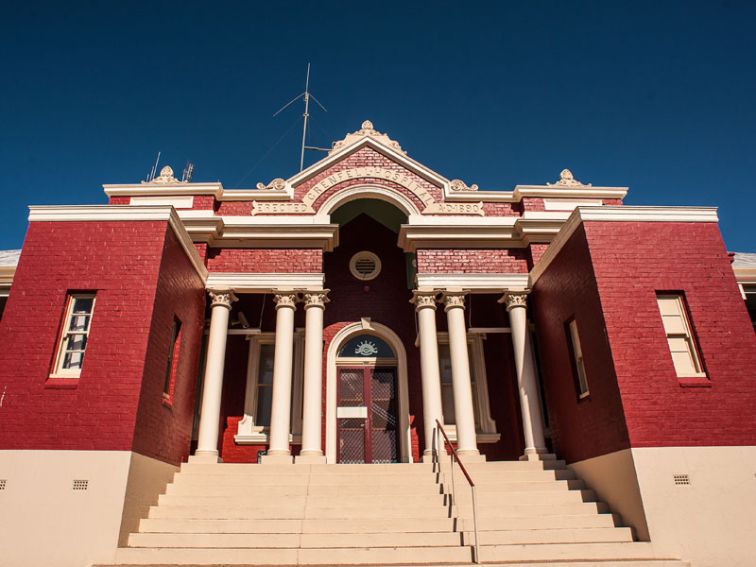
x,y
686,334
248,433
485,424
577,358
58,370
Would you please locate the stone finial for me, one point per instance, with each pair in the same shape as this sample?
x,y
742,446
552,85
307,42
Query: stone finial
x,y
366,129
566,179
459,185
166,176
277,184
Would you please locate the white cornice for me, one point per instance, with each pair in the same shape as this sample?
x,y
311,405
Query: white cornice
x,y
744,275
265,283
477,283
162,190
622,213
6,279
586,191
110,213
412,237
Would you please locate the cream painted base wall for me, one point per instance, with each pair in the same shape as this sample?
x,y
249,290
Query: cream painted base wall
x,y
710,522
614,479
147,480
44,522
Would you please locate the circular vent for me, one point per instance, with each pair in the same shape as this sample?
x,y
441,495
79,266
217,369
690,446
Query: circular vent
x,y
365,266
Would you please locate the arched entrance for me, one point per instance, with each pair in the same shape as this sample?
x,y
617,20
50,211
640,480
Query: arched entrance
x,y
367,411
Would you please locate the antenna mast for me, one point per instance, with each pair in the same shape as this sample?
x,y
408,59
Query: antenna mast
x,y
306,116
306,95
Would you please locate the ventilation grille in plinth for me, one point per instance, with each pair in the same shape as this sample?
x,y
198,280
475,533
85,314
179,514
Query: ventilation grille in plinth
x,y
2,483
681,479
80,484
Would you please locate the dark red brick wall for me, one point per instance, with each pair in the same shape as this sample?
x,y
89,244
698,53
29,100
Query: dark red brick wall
x,y
121,262
596,425
262,260
460,260
164,427
631,262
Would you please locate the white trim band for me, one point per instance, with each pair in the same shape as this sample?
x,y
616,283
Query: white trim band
x,y
265,282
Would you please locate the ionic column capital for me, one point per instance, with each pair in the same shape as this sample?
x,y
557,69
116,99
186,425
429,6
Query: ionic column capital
x,y
454,300
424,299
315,298
514,299
222,298
285,299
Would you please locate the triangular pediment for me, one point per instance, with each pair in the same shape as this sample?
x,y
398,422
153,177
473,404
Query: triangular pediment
x,y
368,137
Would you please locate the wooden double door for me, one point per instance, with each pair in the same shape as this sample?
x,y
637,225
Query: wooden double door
x,y
367,415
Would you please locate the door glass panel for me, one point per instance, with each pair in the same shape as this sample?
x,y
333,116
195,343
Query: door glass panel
x,y
383,416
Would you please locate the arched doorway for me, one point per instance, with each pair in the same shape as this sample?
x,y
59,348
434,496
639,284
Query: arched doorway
x,y
367,411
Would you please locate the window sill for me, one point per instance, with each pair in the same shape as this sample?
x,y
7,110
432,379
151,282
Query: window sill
x,y
262,439
167,402
694,382
59,383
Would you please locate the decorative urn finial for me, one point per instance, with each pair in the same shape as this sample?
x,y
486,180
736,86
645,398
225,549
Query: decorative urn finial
x,y
566,179
367,125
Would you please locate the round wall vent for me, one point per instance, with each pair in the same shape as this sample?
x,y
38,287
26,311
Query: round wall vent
x,y
365,265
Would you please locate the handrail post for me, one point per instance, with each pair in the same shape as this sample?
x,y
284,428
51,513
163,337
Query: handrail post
x,y
476,559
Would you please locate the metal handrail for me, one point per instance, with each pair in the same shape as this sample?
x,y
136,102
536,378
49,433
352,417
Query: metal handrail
x,y
453,496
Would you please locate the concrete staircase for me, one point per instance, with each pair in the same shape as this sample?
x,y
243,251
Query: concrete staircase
x,y
533,513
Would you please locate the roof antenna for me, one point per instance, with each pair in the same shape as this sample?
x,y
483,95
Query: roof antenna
x,y
186,177
306,96
153,171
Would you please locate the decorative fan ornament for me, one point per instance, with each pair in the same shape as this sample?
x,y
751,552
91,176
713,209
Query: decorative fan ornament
x,y
366,348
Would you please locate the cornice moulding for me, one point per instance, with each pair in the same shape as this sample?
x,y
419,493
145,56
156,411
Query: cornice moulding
x,y
477,283
621,213
521,191
145,190
265,282
110,213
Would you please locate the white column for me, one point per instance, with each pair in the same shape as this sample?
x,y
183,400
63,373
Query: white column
x,y
464,412
207,440
530,404
425,304
312,450
283,358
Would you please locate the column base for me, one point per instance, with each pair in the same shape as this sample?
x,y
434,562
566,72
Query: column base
x,y
282,459
538,455
310,460
471,457
205,457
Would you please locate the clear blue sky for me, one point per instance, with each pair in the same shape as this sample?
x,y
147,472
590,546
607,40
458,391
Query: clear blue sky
x,y
659,96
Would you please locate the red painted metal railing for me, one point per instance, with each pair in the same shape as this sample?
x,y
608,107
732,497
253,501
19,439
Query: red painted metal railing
x,y
453,495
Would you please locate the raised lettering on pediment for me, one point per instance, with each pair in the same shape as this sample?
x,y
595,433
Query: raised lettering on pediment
x,y
432,207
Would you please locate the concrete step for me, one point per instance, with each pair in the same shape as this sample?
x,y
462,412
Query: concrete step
x,y
569,552
348,501
558,535
307,556
367,500
376,525
334,490
294,480
306,470
516,486
282,512
379,539
320,540
366,525
497,499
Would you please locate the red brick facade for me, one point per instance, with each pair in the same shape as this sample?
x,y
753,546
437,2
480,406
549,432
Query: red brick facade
x,y
131,266
606,277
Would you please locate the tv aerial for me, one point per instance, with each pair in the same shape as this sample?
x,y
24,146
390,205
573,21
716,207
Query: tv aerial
x,y
306,95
